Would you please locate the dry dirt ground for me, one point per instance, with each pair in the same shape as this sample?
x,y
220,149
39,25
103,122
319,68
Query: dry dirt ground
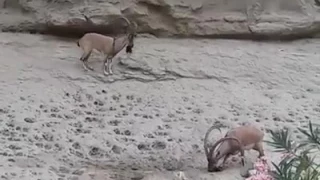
x,y
60,122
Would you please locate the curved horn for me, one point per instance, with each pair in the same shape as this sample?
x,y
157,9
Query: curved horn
x,y
226,139
127,21
206,149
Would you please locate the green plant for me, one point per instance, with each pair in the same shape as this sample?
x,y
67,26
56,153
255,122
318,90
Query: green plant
x,y
297,164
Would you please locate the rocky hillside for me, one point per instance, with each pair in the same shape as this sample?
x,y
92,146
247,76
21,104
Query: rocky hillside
x,y
201,18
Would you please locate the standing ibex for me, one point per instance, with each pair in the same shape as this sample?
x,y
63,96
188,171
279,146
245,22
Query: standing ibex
x,y
236,140
109,46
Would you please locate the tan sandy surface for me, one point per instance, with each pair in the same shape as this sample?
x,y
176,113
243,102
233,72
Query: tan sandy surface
x,y
60,122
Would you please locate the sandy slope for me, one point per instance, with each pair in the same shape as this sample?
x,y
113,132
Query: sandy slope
x,y
58,121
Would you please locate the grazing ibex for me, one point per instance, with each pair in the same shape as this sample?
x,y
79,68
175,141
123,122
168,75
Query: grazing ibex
x,y
236,140
109,46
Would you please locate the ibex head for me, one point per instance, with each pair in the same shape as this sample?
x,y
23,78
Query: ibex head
x,y
131,34
223,150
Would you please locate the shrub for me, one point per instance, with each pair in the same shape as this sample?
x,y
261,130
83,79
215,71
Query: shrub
x,y
297,162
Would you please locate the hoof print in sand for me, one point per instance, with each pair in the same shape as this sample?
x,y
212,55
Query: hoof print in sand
x,y
76,145
112,109
143,147
97,152
47,136
117,131
92,119
116,98
277,119
126,132
89,97
130,97
114,122
159,145
149,135
76,153
54,109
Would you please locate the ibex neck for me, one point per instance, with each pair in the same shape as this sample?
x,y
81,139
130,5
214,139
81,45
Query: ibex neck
x,y
120,43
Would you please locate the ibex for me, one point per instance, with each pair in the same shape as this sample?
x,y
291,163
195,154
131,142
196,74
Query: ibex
x,y
109,46
236,140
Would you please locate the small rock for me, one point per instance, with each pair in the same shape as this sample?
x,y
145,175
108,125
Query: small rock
x,y
82,106
139,100
114,97
96,152
125,113
89,97
48,136
11,160
197,111
112,109
29,120
145,116
98,102
170,115
54,109
116,149
276,119
130,97
76,145
117,131
78,172
64,170
127,132
149,135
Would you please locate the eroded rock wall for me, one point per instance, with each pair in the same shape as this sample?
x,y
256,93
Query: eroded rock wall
x,y
206,18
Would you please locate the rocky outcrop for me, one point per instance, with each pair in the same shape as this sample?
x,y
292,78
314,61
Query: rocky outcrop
x,y
201,18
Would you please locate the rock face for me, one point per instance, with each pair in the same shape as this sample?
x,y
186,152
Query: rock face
x,y
204,18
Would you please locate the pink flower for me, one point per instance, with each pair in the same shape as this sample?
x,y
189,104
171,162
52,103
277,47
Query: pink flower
x,y
261,170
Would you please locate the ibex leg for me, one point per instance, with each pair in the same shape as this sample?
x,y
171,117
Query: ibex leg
x,y
84,58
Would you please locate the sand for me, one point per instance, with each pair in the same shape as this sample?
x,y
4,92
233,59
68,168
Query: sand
x,y
150,117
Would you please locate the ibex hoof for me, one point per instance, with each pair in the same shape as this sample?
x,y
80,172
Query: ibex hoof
x,y
87,68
